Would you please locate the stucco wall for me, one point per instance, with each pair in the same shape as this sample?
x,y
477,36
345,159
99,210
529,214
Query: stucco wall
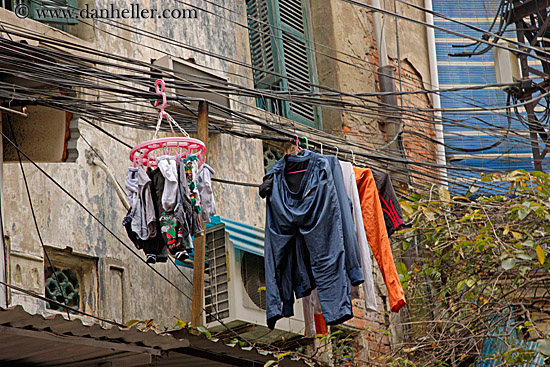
x,y
64,225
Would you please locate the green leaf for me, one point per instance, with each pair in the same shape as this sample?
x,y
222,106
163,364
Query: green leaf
x,y
270,363
282,355
509,263
181,324
401,268
522,213
444,195
525,256
544,346
460,285
406,245
133,322
540,254
204,331
529,243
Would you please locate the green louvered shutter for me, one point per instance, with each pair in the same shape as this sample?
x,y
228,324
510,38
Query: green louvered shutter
x,y
265,52
298,61
279,43
54,11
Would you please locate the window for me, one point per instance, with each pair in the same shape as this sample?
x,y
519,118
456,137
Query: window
x,y
281,55
53,11
48,11
72,281
62,286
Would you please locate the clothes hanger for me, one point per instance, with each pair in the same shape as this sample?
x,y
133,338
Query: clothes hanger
x,y
145,154
297,145
298,149
301,152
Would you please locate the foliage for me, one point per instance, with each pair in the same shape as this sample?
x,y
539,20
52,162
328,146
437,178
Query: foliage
x,y
481,274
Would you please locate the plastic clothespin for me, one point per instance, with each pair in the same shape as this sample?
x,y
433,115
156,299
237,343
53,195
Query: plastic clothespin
x,y
307,142
321,147
337,151
353,158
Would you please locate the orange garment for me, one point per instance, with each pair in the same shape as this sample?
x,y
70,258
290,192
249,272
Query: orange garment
x,y
377,236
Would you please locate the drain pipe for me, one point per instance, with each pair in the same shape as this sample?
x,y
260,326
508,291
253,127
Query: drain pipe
x,y
432,57
392,124
379,34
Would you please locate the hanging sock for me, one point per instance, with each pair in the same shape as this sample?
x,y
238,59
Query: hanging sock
x,y
167,166
131,184
208,206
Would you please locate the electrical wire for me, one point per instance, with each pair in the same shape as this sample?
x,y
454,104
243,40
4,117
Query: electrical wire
x,y
31,206
88,211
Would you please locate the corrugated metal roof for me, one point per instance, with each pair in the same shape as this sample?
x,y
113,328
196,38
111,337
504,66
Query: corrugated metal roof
x,y
17,317
244,237
36,340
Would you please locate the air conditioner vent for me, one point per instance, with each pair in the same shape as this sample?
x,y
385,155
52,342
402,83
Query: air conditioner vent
x,y
216,286
253,275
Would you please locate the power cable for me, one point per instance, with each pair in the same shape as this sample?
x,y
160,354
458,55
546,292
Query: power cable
x,y
61,290
111,232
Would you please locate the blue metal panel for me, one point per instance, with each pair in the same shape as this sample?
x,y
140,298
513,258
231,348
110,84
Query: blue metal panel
x,y
462,71
244,237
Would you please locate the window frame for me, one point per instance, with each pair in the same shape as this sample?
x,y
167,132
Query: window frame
x,y
278,28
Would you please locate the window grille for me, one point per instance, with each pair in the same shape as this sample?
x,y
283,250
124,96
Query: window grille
x,y
216,281
65,292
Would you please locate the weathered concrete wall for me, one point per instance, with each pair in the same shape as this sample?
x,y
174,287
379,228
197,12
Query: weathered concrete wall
x,y
125,288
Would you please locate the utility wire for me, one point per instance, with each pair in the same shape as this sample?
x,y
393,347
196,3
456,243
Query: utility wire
x,y
112,233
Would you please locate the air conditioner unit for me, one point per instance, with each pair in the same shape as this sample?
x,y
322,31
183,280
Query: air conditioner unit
x,y
196,83
233,292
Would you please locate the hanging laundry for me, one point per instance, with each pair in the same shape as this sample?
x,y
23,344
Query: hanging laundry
x,y
167,166
377,235
208,206
154,245
127,224
313,316
393,217
144,216
185,210
166,204
192,171
305,214
131,185
364,250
